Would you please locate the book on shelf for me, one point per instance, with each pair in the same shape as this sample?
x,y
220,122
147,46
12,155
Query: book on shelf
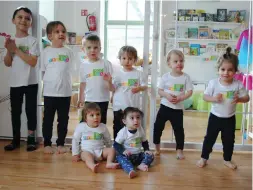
x,y
182,32
215,34
221,48
186,50
224,34
194,49
210,48
183,44
202,49
193,33
203,32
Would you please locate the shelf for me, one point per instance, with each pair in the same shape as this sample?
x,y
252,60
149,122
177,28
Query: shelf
x,y
207,22
208,40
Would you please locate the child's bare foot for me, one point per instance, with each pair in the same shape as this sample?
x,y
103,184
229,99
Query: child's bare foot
x,y
62,149
230,164
112,165
48,150
132,174
202,163
157,153
94,168
143,167
180,154
157,150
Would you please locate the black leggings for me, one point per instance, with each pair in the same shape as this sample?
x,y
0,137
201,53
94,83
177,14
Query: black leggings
x,y
16,98
175,116
227,128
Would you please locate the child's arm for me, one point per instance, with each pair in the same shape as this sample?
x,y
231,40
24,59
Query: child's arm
x,y
81,94
215,99
166,95
139,89
241,96
209,94
107,138
8,59
76,140
30,59
118,147
108,78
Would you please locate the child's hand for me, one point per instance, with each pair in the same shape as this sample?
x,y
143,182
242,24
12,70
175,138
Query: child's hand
x,y
218,98
178,99
148,152
11,45
80,104
236,98
127,153
76,158
107,77
171,98
136,90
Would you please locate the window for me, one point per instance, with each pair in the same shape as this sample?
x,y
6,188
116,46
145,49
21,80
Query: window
x,y
124,25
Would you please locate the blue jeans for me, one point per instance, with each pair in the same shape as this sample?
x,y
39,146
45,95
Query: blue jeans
x,y
128,162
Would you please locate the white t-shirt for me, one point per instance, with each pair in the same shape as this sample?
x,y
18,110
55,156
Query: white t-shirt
x,y
22,74
131,142
90,138
176,86
57,63
124,82
224,109
96,89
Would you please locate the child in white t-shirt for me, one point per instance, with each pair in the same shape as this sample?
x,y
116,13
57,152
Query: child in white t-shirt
x,y
95,77
56,66
224,93
174,88
129,142
21,57
93,136
128,83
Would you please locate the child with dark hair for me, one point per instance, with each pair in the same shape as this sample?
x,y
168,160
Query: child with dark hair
x,y
224,93
95,77
21,57
129,142
93,136
56,66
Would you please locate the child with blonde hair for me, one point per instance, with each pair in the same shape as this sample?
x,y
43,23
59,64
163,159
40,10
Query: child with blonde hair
x,y
174,88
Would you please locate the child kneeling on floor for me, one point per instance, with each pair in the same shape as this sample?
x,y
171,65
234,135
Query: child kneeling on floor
x,y
93,136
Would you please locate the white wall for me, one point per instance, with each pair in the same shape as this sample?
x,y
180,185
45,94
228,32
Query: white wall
x,y
69,12
198,70
6,12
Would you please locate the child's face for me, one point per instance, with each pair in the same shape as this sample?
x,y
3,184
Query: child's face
x,y
127,61
176,63
132,120
22,20
93,118
92,50
58,35
227,71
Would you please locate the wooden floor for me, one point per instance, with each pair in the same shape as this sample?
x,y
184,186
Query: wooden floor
x,y
35,171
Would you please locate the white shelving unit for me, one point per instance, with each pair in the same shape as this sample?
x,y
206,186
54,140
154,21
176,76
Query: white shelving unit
x,y
206,23
208,40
